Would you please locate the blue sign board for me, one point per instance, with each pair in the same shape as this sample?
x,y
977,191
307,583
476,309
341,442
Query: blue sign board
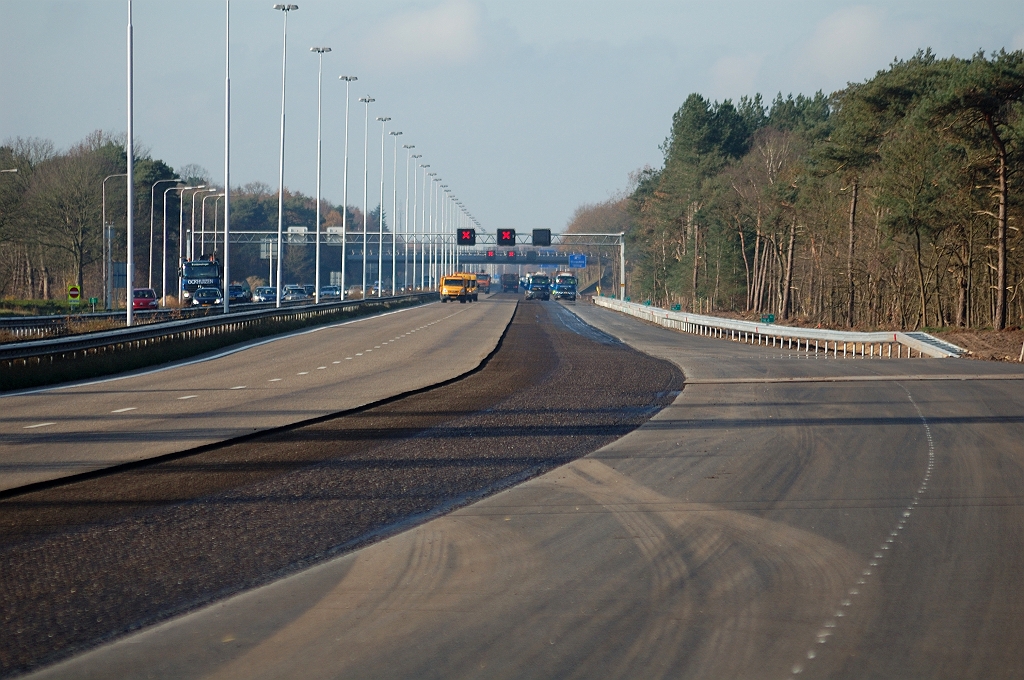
x,y
577,261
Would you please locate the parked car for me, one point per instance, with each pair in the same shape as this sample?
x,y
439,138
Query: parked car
x,y
264,294
330,292
207,297
144,298
239,293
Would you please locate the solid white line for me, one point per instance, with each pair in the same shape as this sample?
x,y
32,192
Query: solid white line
x,y
855,378
32,427
124,410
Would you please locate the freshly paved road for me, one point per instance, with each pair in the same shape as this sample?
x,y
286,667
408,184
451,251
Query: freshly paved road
x,y
756,528
52,433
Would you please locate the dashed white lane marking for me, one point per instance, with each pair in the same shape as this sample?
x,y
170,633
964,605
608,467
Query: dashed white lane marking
x,y
274,380
359,354
320,368
348,358
879,554
125,409
335,362
188,396
238,387
32,427
302,373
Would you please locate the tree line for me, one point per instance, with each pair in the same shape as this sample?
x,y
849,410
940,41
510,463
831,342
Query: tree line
x,y
51,214
892,203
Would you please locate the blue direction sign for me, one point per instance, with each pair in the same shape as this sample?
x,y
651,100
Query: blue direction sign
x,y
577,262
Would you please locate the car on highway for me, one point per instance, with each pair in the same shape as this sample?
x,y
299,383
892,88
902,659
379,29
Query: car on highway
x,y
238,293
144,298
264,294
355,292
293,293
330,292
310,289
207,297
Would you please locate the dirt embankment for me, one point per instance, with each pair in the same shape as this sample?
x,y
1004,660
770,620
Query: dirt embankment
x,y
987,345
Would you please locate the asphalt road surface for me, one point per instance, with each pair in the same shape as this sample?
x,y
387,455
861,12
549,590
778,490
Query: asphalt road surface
x,y
52,433
87,561
786,517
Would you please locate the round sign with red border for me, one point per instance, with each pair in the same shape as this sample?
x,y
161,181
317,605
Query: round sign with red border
x,y
74,292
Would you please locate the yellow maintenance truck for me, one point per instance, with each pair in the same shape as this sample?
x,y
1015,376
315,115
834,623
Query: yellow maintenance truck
x,y
458,286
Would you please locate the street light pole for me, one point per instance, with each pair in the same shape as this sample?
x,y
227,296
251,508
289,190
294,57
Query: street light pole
x,y
280,191
422,212
366,151
163,250
152,208
130,155
227,152
380,211
319,89
192,229
107,275
344,189
181,229
405,250
394,216
202,225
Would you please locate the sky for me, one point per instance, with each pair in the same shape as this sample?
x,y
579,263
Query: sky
x,y
525,109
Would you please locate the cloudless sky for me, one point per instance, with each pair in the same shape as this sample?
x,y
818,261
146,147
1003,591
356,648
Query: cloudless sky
x,y
526,109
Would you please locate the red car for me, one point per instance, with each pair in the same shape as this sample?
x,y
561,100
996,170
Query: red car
x,y
144,298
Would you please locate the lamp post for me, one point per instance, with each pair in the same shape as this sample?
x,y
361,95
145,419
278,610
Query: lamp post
x,y
422,211
107,274
280,191
202,225
129,149
319,81
181,229
367,100
405,222
394,215
191,253
227,151
152,207
344,189
163,250
380,211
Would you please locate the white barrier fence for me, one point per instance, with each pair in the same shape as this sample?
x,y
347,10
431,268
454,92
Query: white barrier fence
x,y
839,343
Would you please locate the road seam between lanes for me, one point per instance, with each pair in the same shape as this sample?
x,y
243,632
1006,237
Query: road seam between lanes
x,y
830,624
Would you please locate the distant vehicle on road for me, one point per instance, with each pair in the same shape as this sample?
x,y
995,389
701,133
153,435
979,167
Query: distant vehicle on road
x,y
144,298
330,292
483,282
238,293
509,283
199,274
292,293
458,286
355,292
264,294
207,297
538,287
564,286
310,289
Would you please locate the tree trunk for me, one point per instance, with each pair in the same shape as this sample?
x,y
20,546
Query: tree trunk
x,y
920,278
789,271
849,254
746,265
999,322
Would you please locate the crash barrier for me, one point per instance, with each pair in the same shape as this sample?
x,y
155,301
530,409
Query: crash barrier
x,y
835,343
89,354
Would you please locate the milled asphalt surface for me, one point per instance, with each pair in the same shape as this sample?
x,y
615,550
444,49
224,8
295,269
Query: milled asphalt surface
x,y
89,561
772,522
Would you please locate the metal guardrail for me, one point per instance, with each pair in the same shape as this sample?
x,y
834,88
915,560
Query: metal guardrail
x,y
840,343
187,328
60,324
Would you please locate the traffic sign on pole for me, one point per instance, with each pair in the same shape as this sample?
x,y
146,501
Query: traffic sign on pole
x,y
577,262
74,295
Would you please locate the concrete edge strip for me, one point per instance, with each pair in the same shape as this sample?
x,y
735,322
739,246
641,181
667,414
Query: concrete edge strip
x,y
131,465
851,378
